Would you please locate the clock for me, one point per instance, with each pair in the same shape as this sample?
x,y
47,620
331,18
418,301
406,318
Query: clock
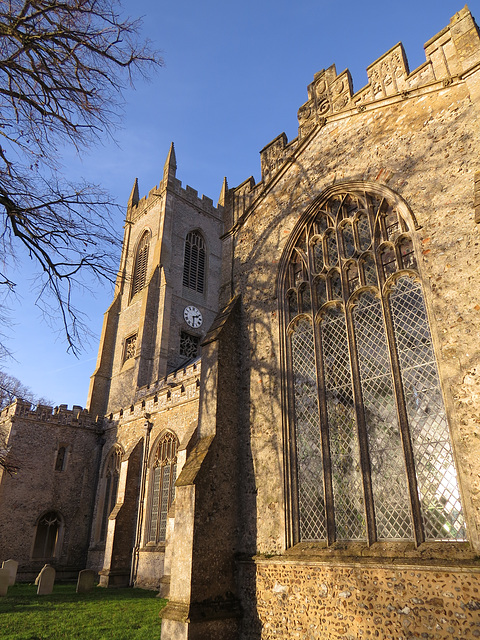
x,y
192,317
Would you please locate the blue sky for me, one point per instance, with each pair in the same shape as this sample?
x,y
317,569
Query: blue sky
x,y
235,75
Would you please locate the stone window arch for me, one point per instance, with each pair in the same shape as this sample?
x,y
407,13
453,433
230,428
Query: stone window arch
x,y
61,458
48,536
371,457
109,484
163,473
194,265
139,277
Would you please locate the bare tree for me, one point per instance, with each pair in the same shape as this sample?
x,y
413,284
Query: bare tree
x,y
10,389
63,68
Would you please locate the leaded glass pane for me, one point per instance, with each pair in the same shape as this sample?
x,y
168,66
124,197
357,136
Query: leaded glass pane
x,y
369,271
292,303
408,255
164,502
348,242
321,223
389,261
352,277
154,509
306,299
298,274
436,474
318,256
350,205
336,285
389,481
321,288
345,457
392,226
307,431
332,251
363,228
334,205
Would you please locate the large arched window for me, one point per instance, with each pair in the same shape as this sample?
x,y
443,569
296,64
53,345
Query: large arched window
x,y
371,457
194,262
139,278
47,536
111,475
162,487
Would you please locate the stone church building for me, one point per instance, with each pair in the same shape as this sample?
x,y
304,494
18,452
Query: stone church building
x,y
282,434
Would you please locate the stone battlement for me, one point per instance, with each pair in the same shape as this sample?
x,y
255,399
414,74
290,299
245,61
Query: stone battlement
x,y
77,416
182,385
451,56
203,203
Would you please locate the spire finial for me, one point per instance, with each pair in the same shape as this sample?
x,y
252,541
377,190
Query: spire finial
x,y
223,193
133,200
170,168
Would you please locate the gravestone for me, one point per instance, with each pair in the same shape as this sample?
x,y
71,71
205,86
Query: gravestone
x,y
11,566
38,577
46,579
86,580
4,582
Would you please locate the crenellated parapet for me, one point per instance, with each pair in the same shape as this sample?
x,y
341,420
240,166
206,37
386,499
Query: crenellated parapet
x,y
451,56
176,388
139,206
61,415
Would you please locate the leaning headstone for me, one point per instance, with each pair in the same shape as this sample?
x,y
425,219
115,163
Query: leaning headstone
x,y
11,566
46,580
4,582
86,580
38,577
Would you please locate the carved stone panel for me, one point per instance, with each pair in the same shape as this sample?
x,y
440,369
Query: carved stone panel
x,y
388,74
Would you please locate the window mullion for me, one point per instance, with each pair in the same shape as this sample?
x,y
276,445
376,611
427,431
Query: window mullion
x,y
324,437
361,431
292,458
322,408
159,502
404,429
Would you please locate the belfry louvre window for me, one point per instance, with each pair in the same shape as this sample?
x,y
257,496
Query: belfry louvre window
x,y
371,457
194,262
162,487
141,263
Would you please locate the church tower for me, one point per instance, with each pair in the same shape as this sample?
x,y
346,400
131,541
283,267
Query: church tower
x,y
166,293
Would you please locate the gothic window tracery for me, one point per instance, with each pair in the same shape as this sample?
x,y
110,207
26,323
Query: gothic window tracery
x,y
194,262
372,458
141,264
189,345
130,347
47,536
162,487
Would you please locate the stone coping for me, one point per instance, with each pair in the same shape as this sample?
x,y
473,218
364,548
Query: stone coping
x,y
435,556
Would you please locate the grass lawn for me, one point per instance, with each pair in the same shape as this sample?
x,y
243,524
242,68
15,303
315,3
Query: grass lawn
x,y
110,614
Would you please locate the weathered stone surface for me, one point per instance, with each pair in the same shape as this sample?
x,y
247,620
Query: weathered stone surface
x,y
4,581
86,580
39,488
46,580
11,566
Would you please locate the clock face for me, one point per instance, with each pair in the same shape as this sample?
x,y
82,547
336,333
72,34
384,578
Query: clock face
x,y
192,317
